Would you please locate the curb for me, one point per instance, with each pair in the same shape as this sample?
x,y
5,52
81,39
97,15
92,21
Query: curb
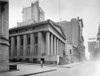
x,y
38,64
73,65
10,71
68,66
39,72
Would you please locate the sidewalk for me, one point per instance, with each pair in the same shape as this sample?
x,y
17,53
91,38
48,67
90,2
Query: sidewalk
x,y
70,65
53,65
25,70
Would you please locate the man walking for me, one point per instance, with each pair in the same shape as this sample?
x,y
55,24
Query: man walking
x,y
41,63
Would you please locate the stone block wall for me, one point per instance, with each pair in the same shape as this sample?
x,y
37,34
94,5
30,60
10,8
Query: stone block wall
x,y
4,45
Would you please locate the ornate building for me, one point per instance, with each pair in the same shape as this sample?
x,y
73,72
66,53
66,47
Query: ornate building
x,y
4,38
44,40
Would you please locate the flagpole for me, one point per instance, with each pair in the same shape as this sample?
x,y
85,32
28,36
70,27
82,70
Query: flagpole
x,y
59,11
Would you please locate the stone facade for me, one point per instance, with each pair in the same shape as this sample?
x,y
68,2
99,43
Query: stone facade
x,y
44,40
4,45
69,53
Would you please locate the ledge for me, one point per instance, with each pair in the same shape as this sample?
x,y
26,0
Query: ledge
x,y
6,44
2,37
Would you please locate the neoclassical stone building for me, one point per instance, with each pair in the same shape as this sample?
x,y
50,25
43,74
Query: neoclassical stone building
x,y
43,40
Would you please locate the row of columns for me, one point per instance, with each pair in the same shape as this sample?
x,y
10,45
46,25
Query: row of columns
x,y
25,40
53,44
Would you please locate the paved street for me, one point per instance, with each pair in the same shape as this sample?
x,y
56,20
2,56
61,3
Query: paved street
x,y
89,68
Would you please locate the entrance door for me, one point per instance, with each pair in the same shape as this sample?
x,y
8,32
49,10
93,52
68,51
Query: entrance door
x,y
42,59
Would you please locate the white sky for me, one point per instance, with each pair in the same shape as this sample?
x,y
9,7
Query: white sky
x,y
88,10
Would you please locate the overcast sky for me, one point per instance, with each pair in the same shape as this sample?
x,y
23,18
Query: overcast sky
x,y
88,10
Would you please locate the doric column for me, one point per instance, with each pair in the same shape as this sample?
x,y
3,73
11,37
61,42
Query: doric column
x,y
51,44
48,43
60,47
57,47
32,44
54,45
12,46
39,43
18,45
24,45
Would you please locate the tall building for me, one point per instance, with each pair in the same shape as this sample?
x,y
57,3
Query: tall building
x,y
4,45
98,39
74,36
32,14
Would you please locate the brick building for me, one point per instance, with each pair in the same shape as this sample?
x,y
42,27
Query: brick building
x,y
32,14
74,37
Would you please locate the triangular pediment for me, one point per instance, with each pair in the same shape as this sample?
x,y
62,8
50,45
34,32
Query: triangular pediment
x,y
58,28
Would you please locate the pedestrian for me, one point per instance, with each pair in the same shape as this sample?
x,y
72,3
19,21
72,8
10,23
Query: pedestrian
x,y
41,63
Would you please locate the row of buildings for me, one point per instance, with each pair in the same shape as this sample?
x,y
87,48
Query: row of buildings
x,y
74,39
36,39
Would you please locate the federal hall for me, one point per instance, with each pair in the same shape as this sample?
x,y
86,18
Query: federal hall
x,y
44,40
35,38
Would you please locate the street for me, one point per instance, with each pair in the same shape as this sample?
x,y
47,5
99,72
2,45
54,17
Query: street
x,y
87,68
